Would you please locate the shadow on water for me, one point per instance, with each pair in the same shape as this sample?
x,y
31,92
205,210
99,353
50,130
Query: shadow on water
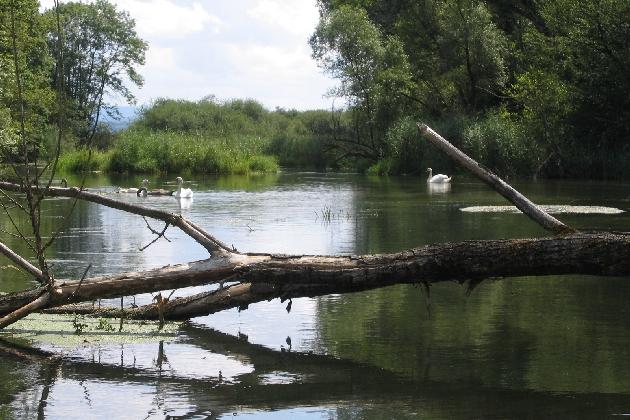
x,y
278,382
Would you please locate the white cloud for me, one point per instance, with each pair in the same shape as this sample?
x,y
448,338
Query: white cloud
x,y
160,58
270,61
260,52
296,17
277,76
165,18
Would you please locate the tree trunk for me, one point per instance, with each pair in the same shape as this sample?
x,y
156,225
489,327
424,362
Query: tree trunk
x,y
519,200
264,277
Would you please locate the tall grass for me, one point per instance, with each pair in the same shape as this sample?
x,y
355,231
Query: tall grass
x,y
163,151
80,160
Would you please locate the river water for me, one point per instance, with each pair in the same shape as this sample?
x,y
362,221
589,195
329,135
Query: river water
x,y
523,347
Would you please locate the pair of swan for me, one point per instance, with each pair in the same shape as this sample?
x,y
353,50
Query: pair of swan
x,y
178,193
143,191
437,179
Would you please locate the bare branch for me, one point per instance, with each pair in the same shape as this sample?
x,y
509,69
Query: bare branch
x,y
520,201
20,234
13,201
206,240
158,234
27,266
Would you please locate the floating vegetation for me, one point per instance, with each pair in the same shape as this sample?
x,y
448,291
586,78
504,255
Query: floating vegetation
x,y
77,330
551,209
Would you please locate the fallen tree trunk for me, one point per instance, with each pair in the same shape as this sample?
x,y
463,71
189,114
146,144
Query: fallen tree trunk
x,y
265,277
261,277
519,200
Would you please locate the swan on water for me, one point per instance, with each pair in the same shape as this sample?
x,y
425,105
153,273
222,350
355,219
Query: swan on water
x,y
144,191
133,190
182,192
437,179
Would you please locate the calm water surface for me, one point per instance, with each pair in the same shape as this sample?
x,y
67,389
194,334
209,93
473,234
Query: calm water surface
x,y
526,347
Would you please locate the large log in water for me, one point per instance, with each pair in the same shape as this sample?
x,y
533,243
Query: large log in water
x,y
264,277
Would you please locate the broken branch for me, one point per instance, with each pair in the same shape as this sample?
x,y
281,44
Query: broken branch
x,y
506,190
206,240
23,263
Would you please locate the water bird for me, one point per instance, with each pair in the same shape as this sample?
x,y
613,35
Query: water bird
x,y
437,179
133,190
182,192
144,191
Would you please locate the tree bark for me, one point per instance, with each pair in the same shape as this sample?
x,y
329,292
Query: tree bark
x,y
22,263
519,200
264,277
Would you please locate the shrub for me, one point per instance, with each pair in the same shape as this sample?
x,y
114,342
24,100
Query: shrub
x,y
501,144
163,151
81,160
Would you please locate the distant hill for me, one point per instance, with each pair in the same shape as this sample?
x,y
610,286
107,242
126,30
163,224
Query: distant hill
x,y
127,115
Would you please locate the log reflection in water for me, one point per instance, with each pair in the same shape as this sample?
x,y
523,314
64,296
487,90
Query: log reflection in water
x,y
280,380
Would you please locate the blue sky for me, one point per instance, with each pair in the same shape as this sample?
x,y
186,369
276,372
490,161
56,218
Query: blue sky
x,y
231,49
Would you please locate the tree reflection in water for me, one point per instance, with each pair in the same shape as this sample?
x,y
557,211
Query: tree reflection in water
x,y
279,381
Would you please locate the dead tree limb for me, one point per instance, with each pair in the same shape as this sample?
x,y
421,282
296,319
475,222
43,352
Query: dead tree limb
x,y
519,200
259,277
206,240
22,263
267,277
23,311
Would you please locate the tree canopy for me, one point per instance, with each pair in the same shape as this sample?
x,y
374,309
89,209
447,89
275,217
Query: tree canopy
x,y
70,62
550,77
100,54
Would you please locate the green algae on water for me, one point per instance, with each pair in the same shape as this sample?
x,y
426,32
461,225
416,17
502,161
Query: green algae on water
x,y
73,331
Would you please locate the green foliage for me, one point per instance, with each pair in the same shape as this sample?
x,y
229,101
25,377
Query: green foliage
x,y
382,167
297,139
104,325
559,69
473,52
502,144
145,151
100,51
373,72
26,97
78,323
83,160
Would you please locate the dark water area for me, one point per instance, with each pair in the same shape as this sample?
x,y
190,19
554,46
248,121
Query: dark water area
x,y
530,347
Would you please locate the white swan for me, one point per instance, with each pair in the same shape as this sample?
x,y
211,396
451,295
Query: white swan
x,y
133,190
437,179
182,192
